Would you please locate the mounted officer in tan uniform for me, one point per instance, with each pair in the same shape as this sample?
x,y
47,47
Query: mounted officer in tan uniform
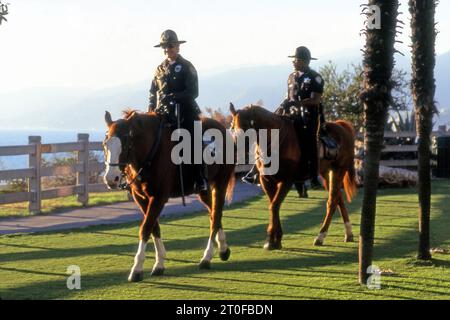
x,y
176,82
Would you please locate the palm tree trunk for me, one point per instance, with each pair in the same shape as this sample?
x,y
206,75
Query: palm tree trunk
x,y
376,96
423,89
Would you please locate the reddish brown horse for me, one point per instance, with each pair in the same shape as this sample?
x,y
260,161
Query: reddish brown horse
x,y
139,146
337,174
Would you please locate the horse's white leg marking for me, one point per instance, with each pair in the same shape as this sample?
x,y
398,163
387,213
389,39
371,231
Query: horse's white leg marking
x,y
160,253
221,241
209,251
139,258
348,229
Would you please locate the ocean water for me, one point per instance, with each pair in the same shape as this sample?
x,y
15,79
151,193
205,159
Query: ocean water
x,y
20,137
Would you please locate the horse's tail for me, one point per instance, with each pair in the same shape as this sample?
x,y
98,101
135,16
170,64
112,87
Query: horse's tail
x,y
350,186
230,187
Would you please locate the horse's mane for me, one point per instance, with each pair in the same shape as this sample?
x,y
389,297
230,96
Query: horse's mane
x,y
265,112
254,106
129,113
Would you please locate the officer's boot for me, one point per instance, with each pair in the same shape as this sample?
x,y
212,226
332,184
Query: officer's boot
x,y
201,183
315,184
302,190
252,177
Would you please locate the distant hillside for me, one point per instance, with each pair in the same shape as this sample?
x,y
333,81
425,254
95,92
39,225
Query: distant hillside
x,y
442,88
78,109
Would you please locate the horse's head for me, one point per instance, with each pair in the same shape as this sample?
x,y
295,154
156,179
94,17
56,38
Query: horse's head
x,y
254,117
242,119
116,146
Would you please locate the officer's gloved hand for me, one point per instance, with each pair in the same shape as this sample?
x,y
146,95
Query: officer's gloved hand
x,y
283,109
279,110
295,110
168,99
286,104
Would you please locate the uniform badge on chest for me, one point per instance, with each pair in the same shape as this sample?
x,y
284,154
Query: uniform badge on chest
x,y
178,68
305,84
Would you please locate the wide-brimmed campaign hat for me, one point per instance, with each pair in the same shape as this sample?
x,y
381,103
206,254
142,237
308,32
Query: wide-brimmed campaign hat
x,y
302,53
168,37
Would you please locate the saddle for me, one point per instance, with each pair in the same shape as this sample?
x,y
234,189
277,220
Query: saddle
x,y
191,172
329,149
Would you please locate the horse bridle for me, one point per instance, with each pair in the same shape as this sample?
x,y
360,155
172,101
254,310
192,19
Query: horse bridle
x,y
147,162
122,165
127,145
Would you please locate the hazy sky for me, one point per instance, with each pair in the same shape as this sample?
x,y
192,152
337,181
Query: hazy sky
x,y
102,43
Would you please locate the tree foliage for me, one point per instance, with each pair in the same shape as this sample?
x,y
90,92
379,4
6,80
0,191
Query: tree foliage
x,y
220,116
341,97
341,93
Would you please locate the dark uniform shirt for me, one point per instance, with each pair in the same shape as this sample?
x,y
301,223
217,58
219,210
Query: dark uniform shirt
x,y
180,81
300,87
305,119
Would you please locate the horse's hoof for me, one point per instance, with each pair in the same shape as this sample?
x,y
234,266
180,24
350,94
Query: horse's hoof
x,y
349,238
272,246
157,272
136,276
204,265
318,242
224,256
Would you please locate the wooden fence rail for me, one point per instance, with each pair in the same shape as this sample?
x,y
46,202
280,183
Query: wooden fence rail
x,y
35,171
83,167
402,143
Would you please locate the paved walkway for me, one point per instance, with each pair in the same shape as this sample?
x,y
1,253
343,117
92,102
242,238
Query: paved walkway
x,y
110,214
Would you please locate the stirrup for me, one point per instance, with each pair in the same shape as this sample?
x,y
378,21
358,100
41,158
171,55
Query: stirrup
x,y
251,178
201,186
315,184
329,142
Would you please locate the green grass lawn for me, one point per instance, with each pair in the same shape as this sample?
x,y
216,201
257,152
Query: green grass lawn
x,y
34,266
63,203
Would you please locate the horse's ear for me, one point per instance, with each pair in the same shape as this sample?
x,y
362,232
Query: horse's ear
x,y
108,119
232,109
136,121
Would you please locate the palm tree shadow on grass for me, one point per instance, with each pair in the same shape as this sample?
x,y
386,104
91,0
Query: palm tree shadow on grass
x,y
241,237
383,252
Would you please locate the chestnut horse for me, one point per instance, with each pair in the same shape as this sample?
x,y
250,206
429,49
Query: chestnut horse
x,y
337,174
139,147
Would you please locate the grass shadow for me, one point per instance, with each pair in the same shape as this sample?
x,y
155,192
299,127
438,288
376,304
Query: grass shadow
x,y
278,265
